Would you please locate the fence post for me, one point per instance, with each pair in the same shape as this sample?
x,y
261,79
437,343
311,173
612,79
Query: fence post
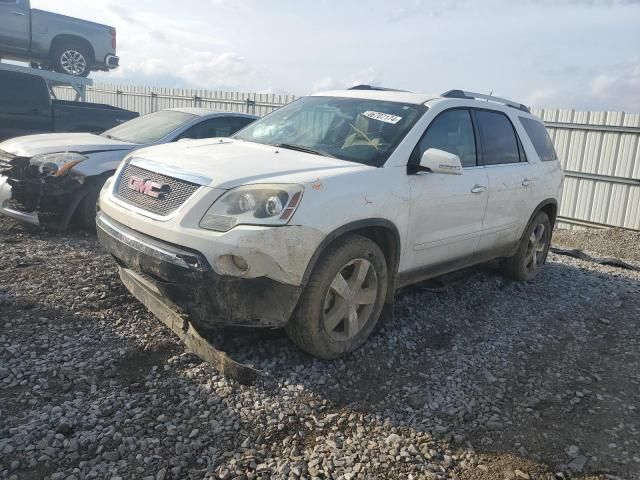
x,y
153,102
250,105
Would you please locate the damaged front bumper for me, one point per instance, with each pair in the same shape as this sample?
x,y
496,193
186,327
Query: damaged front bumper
x,y
29,196
186,282
11,208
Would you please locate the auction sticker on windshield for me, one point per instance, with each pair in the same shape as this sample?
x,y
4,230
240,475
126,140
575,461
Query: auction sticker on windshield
x,y
383,117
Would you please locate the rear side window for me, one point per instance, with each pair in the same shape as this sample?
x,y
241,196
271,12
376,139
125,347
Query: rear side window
x,y
452,131
498,138
540,139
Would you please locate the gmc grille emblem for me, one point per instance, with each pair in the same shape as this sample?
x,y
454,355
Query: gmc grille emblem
x,y
146,187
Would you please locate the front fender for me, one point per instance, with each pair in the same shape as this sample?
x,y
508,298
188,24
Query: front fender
x,y
375,199
99,163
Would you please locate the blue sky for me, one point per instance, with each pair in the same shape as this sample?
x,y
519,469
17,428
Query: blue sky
x,y
582,54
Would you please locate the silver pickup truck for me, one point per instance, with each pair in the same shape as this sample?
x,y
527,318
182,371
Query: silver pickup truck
x,y
57,42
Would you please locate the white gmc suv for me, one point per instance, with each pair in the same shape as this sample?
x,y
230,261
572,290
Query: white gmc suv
x,y
312,217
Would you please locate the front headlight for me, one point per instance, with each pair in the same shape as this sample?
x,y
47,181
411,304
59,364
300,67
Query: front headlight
x,y
57,164
268,204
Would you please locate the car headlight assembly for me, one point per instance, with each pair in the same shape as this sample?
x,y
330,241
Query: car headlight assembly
x,y
57,164
268,204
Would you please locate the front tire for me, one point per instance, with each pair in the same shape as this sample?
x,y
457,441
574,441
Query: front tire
x,y
87,210
533,250
343,299
71,59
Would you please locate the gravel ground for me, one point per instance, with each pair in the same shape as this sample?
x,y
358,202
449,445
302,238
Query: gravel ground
x,y
488,379
611,243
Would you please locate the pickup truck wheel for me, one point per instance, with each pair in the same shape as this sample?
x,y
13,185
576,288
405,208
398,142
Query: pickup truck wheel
x,y
71,60
343,299
533,250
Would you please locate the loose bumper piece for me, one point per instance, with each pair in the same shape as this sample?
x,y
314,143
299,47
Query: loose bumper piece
x,y
186,331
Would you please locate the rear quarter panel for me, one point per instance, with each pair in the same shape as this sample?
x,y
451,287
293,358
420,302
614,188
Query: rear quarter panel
x,y
46,26
549,176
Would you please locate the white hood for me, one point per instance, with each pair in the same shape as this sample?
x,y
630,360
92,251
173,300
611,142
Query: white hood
x,y
227,163
32,145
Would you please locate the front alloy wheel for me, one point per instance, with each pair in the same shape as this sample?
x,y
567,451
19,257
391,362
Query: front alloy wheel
x,y
343,299
350,299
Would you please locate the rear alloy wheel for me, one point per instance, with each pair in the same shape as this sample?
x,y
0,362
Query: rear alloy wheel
x,y
71,60
536,249
533,250
343,300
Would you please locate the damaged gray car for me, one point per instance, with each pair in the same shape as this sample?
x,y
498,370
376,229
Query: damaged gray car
x,y
53,180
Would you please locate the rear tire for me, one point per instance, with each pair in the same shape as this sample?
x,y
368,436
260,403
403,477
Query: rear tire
x,y
71,59
343,300
533,250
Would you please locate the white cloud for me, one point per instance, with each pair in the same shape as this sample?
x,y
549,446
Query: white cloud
x,y
157,49
327,83
619,87
207,69
546,97
367,76
614,88
420,8
238,6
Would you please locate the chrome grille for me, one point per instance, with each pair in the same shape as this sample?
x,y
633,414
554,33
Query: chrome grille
x,y
175,193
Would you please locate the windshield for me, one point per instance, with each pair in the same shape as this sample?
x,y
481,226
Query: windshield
x,y
352,129
149,128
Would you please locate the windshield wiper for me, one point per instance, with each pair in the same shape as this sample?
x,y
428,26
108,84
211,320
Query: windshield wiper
x,y
302,148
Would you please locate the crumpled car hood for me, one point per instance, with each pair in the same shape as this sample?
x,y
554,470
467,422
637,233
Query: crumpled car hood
x,y
32,145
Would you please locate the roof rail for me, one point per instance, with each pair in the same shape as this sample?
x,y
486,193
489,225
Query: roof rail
x,y
488,98
371,87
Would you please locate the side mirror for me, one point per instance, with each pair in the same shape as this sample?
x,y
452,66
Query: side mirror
x,y
439,161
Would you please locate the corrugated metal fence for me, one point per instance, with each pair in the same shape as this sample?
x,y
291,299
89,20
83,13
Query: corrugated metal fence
x,y
600,151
